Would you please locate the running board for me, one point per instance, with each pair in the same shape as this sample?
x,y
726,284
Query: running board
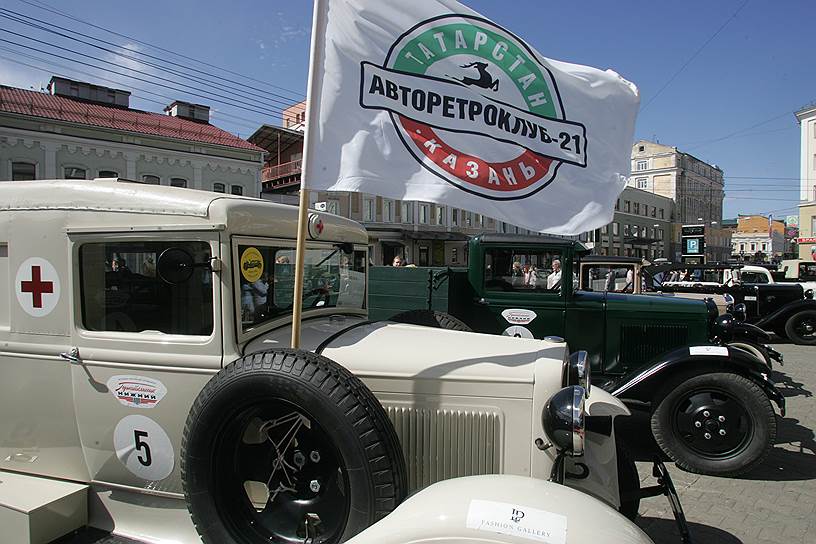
x,y
37,510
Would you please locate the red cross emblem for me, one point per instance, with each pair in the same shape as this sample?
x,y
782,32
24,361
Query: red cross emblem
x,y
36,286
319,226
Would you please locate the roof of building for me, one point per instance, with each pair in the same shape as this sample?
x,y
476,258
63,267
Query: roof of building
x,y
270,136
58,108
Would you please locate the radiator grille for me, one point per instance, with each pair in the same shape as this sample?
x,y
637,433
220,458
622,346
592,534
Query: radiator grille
x,y
441,444
642,343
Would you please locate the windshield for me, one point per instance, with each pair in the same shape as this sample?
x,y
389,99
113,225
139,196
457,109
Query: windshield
x,y
332,278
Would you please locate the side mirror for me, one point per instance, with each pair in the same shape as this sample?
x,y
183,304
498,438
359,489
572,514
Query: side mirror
x,y
175,265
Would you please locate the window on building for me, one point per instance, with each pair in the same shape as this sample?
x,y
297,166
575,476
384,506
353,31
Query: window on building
x,y
108,174
454,255
424,213
641,148
219,188
636,208
626,229
181,182
388,211
742,247
333,206
642,183
661,213
479,220
627,206
151,180
617,205
73,172
439,218
605,229
659,234
753,246
646,210
407,212
235,189
454,217
764,246
615,228
23,171
642,165
369,211
467,219
654,211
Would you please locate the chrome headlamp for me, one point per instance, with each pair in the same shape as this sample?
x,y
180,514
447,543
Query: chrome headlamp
x,y
576,371
739,312
564,420
722,326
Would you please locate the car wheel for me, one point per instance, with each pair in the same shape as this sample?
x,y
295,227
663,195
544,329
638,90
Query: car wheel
x,y
288,446
757,351
431,318
800,328
721,424
628,482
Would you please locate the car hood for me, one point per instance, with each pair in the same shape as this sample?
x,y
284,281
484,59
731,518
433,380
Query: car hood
x,y
401,358
656,304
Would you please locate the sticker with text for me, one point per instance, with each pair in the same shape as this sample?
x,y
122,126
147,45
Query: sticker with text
x,y
137,391
517,520
721,351
144,447
516,316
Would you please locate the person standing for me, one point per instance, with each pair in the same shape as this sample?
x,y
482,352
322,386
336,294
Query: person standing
x,y
554,279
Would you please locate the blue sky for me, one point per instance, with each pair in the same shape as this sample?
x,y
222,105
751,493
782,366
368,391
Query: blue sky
x,y
731,105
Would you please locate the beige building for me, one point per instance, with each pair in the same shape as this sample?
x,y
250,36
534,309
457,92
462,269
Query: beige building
x,y
696,187
757,234
84,131
807,231
641,227
807,168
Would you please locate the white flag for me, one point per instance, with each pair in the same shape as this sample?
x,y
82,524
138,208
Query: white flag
x,y
427,100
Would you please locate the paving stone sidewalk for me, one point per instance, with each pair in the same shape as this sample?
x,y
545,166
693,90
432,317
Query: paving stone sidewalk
x,y
776,503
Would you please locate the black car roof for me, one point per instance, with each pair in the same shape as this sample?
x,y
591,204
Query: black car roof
x,y
657,268
611,259
501,238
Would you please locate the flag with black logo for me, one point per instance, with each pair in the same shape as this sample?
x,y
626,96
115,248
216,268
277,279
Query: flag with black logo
x,y
427,100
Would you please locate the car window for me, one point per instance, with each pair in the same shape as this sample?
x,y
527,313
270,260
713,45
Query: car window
x,y
807,271
607,277
753,277
122,291
331,278
522,270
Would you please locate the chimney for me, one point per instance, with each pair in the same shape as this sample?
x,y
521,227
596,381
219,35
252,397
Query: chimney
x,y
88,92
185,110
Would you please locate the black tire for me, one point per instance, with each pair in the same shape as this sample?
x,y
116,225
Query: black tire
x,y
748,421
628,482
800,328
230,457
431,318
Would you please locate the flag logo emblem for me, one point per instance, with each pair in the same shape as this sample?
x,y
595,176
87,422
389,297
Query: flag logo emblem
x,y
474,105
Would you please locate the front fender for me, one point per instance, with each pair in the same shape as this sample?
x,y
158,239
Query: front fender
x,y
780,316
640,386
747,331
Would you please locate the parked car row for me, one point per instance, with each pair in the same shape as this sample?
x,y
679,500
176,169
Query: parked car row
x,y
142,400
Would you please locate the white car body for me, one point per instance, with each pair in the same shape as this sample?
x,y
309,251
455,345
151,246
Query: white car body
x,y
59,378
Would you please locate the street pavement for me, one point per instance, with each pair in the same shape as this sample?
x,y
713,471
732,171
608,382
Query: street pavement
x,y
775,503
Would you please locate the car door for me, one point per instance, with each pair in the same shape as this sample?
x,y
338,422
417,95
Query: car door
x,y
148,336
521,293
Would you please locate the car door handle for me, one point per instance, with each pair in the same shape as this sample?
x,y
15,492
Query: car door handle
x,y
72,356
481,302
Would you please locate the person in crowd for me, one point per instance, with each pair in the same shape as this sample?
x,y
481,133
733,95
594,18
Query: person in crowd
x,y
517,274
554,279
397,261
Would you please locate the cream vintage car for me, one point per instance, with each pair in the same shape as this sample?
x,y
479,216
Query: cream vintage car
x,y
147,387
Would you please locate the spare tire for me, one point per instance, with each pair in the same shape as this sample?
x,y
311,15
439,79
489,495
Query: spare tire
x,y
286,445
431,318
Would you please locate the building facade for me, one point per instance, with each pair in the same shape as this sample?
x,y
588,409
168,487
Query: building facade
x,y
807,156
758,237
84,131
696,187
641,227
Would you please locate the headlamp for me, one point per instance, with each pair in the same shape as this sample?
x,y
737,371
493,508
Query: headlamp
x,y
564,420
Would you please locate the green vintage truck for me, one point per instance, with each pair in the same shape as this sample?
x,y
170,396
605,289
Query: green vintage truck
x,y
710,403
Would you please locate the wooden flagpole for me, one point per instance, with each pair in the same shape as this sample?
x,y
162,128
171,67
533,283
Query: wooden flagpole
x,y
315,59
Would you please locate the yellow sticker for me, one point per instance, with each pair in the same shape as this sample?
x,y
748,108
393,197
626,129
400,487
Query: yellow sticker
x,y
252,264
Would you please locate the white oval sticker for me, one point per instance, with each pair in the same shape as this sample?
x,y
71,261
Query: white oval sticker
x,y
137,391
517,316
143,447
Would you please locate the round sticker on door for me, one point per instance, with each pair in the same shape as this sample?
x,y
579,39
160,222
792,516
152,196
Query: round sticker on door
x,y
518,331
37,287
252,264
137,391
143,447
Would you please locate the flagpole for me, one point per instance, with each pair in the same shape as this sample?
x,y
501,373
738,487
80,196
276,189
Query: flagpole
x,y
303,207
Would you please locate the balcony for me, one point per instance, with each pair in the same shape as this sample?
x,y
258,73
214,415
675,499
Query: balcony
x,y
284,175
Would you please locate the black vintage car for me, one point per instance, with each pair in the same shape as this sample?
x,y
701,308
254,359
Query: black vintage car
x,y
784,308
